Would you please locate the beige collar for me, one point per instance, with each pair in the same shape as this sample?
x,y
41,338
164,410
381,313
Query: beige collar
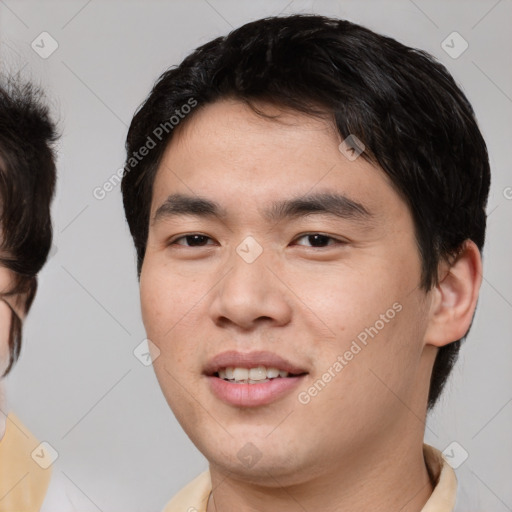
x,y
194,496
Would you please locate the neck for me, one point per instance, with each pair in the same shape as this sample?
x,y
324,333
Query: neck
x,y
378,479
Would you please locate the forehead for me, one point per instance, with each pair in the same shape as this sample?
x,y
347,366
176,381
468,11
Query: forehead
x,y
228,152
233,126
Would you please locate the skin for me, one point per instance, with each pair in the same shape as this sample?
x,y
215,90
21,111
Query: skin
x,y
5,319
358,443
15,302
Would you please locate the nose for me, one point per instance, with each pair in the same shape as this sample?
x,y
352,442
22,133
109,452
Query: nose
x,y
251,294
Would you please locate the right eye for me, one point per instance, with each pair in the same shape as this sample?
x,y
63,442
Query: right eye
x,y
192,240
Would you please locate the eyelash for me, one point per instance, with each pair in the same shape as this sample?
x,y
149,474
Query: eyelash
x,y
337,241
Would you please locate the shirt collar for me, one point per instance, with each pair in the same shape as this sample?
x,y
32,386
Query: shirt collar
x,y
443,497
194,496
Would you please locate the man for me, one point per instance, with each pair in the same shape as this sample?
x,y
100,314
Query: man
x,y
307,201
27,183
28,482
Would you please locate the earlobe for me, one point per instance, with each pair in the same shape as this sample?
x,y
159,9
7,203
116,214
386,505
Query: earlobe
x,y
455,297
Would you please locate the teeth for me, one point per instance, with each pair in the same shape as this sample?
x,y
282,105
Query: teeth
x,y
240,373
259,373
255,375
272,373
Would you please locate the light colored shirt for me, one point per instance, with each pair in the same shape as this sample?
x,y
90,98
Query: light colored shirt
x,y
194,496
23,482
28,482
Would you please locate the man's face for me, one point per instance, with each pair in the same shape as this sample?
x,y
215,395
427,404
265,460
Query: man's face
x,y
8,304
297,291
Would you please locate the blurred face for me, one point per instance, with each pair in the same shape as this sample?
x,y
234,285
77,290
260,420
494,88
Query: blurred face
x,y
7,305
280,290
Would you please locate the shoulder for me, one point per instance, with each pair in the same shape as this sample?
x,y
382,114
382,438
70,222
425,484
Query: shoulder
x,y
443,477
193,497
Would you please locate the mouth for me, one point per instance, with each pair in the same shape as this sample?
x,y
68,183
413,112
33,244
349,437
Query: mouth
x,y
252,379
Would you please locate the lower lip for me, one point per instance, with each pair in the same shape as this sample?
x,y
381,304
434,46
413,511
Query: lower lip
x,y
253,395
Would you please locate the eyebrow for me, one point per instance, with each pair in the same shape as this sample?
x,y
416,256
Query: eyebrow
x,y
328,203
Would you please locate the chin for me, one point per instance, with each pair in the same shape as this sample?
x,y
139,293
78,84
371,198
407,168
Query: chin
x,y
269,472
259,461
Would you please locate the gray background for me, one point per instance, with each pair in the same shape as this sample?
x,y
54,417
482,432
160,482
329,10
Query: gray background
x,y
78,384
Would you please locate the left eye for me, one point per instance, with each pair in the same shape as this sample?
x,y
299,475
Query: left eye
x,y
319,240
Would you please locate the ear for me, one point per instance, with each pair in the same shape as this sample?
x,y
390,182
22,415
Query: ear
x,y
454,298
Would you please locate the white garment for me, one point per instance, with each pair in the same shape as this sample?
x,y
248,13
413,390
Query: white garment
x,y
64,496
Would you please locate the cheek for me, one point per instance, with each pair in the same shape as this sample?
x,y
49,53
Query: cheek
x,y
167,303
157,296
371,316
5,327
342,304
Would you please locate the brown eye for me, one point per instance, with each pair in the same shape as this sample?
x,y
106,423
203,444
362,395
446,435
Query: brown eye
x,y
319,240
193,240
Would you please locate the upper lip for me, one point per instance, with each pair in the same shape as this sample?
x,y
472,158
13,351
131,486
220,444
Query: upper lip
x,y
235,359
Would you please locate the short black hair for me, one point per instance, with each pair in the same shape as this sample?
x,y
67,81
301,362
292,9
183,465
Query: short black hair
x,y
405,107
27,185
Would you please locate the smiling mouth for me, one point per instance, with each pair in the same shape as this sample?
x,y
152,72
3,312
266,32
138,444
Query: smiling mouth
x,y
254,375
